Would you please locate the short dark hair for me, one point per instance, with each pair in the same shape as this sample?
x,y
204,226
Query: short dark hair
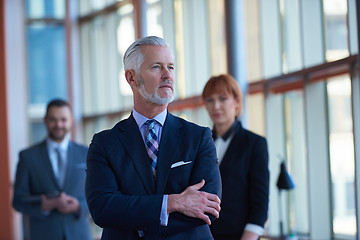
x,y
57,103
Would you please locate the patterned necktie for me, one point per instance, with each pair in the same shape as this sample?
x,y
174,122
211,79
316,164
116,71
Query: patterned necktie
x,y
152,144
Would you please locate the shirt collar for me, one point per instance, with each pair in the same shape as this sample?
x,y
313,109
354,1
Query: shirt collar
x,y
140,119
228,133
63,145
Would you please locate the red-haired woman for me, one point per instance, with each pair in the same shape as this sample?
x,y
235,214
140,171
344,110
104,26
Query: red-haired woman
x,y
243,162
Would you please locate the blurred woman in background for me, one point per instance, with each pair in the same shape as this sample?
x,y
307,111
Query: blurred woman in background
x,y
243,162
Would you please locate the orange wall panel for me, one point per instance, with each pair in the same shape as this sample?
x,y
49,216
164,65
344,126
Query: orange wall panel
x,y
5,184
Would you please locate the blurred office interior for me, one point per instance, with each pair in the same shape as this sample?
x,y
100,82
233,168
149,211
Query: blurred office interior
x,y
296,61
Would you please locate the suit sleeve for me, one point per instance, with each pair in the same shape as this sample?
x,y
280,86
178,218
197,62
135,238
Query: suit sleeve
x,y
84,211
206,167
259,183
23,200
109,207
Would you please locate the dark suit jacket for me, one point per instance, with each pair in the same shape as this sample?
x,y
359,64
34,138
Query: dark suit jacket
x,y
120,188
245,183
35,176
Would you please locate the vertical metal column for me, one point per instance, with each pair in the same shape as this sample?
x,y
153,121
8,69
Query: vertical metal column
x,y
73,66
140,7
235,45
69,63
355,99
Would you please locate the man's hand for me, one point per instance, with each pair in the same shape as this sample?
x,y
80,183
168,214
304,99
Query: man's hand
x,y
48,204
194,203
68,204
65,204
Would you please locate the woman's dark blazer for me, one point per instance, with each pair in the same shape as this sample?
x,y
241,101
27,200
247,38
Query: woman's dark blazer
x,y
245,183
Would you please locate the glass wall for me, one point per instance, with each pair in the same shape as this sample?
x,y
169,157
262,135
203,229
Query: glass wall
x,y
256,115
297,161
312,33
298,37
89,6
46,59
353,38
292,56
105,76
37,9
342,160
155,23
271,38
283,37
192,49
336,29
46,62
104,41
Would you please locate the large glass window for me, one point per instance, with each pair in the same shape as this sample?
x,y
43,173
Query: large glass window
x,y
297,161
45,9
270,38
342,155
292,56
352,19
256,115
312,33
46,59
304,39
154,18
88,6
104,41
336,28
217,37
198,115
253,46
192,47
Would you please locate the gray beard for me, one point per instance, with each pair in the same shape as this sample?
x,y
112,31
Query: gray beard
x,y
154,96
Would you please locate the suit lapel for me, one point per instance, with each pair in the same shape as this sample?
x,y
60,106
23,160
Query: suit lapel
x,y
131,139
170,141
236,143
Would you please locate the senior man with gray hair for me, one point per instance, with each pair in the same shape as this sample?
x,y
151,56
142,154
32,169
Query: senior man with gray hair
x,y
153,175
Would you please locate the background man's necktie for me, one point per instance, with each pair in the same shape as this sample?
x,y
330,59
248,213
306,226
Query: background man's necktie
x,y
61,173
152,144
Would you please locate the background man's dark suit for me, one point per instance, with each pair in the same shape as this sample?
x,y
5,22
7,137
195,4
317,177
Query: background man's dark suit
x,y
120,182
35,177
245,183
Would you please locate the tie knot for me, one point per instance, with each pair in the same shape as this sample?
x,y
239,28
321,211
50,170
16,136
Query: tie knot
x,y
57,150
150,123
